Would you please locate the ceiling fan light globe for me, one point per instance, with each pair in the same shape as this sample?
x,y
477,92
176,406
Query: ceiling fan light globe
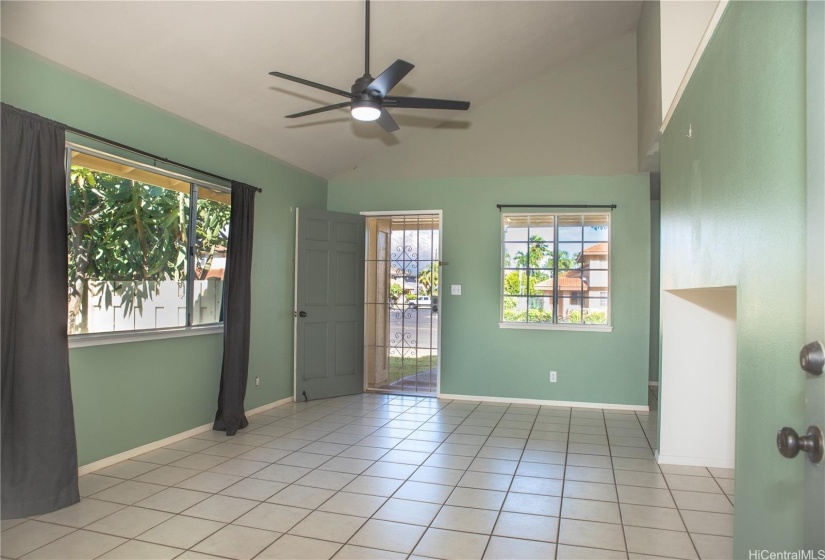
x,y
366,111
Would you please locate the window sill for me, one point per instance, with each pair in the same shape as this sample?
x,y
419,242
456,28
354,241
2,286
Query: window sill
x,y
100,339
557,327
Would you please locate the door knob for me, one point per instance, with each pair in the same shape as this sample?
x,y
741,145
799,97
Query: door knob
x,y
812,358
302,314
790,443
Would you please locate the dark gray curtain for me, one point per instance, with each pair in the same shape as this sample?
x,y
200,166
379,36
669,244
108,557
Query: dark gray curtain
x,y
39,450
237,310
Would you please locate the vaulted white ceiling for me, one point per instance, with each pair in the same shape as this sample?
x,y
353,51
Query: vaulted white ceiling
x,y
208,62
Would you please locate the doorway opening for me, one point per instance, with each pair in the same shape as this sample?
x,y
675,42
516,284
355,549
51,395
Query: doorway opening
x,y
698,392
401,307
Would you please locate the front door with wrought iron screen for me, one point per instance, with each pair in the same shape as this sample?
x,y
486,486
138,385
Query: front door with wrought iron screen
x,y
402,303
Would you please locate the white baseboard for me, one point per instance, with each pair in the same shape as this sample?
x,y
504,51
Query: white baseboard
x,y
540,402
109,461
694,461
269,406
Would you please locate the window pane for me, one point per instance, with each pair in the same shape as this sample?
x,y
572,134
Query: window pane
x,y
594,256
571,291
127,247
540,310
595,311
541,255
570,228
516,228
515,255
515,282
569,255
596,227
211,240
541,283
541,227
569,309
515,309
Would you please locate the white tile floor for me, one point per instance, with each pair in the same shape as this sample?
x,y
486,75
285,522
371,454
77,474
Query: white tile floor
x,y
382,476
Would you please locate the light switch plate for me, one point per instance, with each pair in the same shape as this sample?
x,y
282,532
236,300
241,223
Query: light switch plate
x,y
455,289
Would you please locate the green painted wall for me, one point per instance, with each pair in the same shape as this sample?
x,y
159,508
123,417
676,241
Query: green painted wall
x,y
733,213
479,358
655,266
127,395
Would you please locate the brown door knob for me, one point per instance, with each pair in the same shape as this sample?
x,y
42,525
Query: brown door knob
x,y
791,443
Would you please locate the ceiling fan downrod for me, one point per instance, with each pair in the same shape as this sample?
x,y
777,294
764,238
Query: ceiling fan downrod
x,y
367,41
369,97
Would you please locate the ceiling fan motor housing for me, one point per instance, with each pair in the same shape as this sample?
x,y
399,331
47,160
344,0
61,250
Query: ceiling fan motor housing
x,y
360,88
366,105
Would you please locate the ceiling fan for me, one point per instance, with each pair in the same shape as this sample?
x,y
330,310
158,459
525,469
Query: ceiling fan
x,y
368,98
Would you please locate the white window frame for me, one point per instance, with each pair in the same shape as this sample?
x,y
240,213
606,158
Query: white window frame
x,y
603,328
139,335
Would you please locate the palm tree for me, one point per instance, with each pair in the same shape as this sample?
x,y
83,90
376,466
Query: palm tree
x,y
428,279
535,253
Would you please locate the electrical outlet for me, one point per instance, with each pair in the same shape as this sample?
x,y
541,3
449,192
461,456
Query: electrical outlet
x,y
553,377
257,381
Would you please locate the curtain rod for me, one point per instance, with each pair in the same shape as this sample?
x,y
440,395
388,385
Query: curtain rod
x,y
147,154
500,206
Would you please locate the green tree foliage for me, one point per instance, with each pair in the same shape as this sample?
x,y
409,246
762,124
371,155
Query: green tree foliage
x,y
590,317
515,283
124,234
518,282
565,261
537,252
535,316
395,292
428,279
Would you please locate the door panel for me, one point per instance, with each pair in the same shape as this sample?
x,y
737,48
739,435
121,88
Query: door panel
x,y
317,283
347,351
815,384
347,288
329,300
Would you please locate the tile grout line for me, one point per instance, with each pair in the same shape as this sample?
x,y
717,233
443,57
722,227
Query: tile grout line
x,y
338,411
399,488
225,524
682,518
616,484
512,478
341,545
564,479
429,526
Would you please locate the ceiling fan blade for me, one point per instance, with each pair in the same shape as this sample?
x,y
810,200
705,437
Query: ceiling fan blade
x,y
320,110
387,122
390,77
424,103
311,84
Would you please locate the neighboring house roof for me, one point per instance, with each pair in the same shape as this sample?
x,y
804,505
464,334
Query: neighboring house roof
x,y
566,284
597,249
